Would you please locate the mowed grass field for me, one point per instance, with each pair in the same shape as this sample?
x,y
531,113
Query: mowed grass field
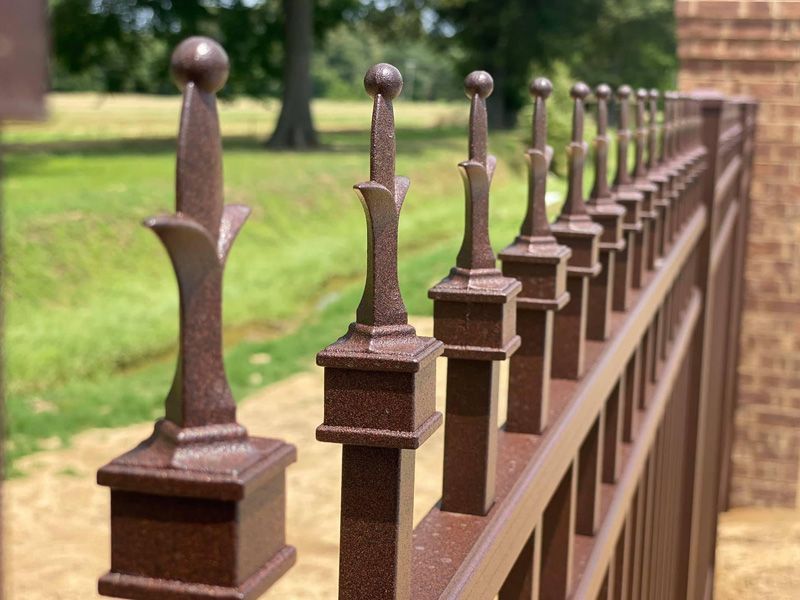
x,y
91,302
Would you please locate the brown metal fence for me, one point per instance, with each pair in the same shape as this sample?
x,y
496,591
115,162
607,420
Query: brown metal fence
x,y
620,321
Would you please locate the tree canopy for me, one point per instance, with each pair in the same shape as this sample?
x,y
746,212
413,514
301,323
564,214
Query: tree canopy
x,y
124,45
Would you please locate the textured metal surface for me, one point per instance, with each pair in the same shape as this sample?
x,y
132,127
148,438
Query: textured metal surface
x,y
475,316
379,384
604,210
539,262
197,510
575,229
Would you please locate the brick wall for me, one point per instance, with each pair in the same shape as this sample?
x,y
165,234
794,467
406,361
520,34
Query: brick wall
x,y
753,48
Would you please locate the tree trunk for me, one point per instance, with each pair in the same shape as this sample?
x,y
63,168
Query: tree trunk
x,y
295,129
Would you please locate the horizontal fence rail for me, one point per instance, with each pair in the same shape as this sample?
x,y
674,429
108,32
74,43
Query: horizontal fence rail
x,y
619,322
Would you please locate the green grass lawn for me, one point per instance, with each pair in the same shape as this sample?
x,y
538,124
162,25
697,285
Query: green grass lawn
x,y
91,302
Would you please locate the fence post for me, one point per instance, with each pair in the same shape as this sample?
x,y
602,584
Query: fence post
x,y
475,317
576,230
604,211
747,118
540,264
628,197
643,184
380,385
197,510
657,176
694,542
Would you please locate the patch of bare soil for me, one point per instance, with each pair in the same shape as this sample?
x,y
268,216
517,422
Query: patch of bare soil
x,y
758,554
56,519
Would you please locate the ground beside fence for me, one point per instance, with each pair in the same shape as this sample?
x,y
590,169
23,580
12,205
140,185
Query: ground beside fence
x,y
56,518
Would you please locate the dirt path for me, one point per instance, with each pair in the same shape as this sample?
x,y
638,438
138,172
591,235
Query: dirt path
x,y
56,518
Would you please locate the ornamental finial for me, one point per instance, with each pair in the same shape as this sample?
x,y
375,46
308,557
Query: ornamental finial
x,y
600,189
382,197
535,224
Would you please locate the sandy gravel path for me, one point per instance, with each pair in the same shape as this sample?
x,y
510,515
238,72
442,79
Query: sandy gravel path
x,y
56,518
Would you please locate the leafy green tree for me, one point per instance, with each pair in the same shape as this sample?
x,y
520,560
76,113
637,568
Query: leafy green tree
x,y
598,40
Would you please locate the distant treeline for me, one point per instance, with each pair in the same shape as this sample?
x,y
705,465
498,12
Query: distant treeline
x,y
124,45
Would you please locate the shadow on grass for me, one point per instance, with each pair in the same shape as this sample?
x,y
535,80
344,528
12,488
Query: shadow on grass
x,y
410,140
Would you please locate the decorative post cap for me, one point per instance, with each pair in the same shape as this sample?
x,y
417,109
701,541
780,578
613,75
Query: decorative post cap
x,y
201,61
652,138
382,198
574,209
600,193
199,461
478,86
535,226
574,227
639,171
383,83
475,285
535,257
476,249
380,376
198,238
381,336
622,177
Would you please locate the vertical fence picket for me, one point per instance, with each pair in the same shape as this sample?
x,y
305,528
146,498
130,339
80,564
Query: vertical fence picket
x,y
558,540
540,264
614,425
380,383
627,196
604,211
475,317
198,509
522,582
575,229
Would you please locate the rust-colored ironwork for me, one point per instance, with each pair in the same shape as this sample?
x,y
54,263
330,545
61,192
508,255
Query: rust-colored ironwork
x,y
603,482
575,229
197,509
604,211
380,384
475,317
539,262
631,199
643,184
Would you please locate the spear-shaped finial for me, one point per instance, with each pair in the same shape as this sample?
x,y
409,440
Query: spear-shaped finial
x,y
600,191
576,152
476,249
200,68
623,137
669,125
478,86
639,170
383,83
535,225
382,197
198,239
652,135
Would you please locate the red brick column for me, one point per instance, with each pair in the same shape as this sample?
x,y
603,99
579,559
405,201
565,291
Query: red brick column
x,y
753,48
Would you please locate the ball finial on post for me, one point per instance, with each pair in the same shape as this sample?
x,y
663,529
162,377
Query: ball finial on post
x,y
202,61
383,79
383,82
603,91
579,91
478,83
541,87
